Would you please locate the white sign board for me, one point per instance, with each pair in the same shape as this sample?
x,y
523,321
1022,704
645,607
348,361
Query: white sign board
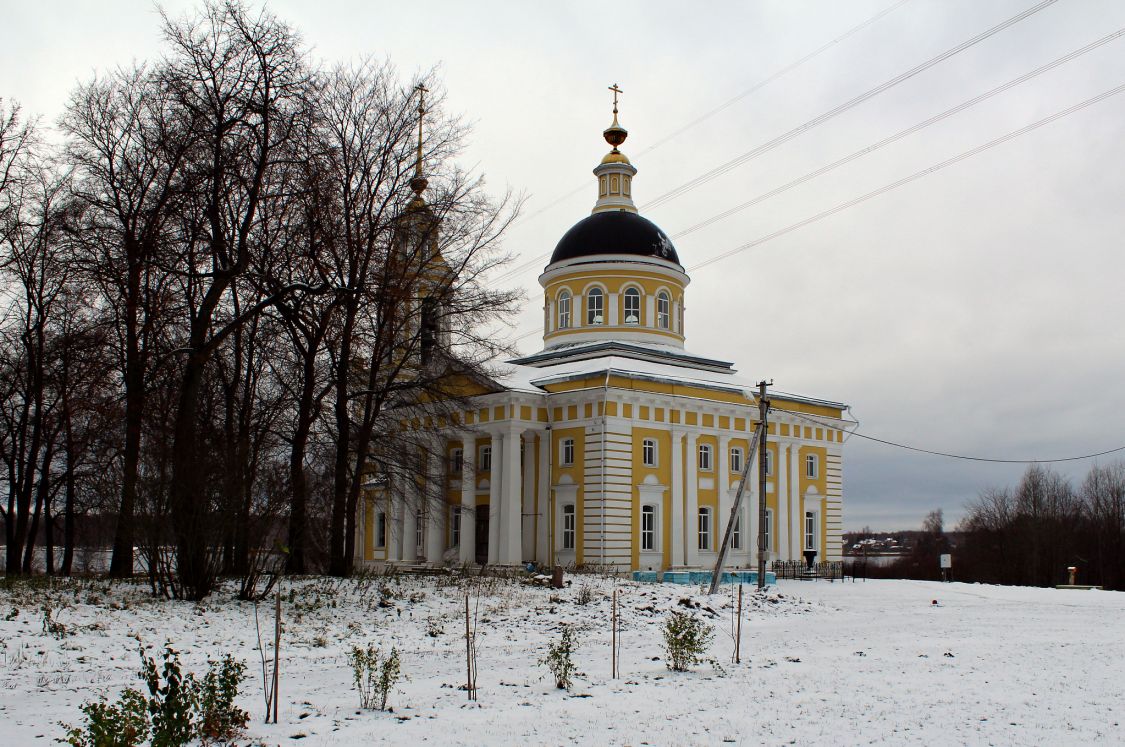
x,y
946,560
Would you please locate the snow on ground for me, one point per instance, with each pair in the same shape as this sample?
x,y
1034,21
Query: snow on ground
x,y
871,662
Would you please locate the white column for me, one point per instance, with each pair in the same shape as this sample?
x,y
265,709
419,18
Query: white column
x,y
678,558
796,521
512,511
396,499
527,520
494,484
468,498
723,470
691,513
781,491
542,500
410,520
437,506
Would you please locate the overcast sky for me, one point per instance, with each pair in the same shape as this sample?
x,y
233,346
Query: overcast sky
x,y
977,310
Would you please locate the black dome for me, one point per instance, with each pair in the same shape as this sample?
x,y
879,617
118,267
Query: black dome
x,y
614,232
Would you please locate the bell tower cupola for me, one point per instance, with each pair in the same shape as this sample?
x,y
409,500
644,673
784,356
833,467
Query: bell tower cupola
x,y
615,173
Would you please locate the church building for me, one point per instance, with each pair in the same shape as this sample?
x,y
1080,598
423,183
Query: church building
x,y
614,446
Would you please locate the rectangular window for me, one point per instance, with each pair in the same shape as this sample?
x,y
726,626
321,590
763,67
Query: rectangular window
x,y
420,531
769,462
704,528
810,465
736,534
381,529
568,527
484,459
648,528
705,457
736,460
810,530
566,452
456,461
648,452
455,527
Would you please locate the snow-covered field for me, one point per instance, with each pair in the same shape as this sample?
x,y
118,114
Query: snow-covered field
x,y
843,663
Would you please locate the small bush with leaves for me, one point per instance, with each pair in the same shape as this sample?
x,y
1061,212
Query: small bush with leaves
x,y
120,724
558,658
686,639
219,719
177,710
374,674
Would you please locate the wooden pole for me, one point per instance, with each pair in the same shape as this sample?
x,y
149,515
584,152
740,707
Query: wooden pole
x,y
738,628
743,481
613,658
276,649
468,651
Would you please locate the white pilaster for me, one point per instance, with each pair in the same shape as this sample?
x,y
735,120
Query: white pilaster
x,y
511,513
691,513
468,498
495,498
678,558
722,469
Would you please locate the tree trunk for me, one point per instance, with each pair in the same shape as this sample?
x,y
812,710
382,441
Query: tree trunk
x,y
121,564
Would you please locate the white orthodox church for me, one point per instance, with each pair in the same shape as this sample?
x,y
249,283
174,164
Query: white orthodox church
x,y
614,446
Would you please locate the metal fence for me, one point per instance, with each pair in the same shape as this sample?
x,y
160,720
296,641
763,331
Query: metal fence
x,y
795,569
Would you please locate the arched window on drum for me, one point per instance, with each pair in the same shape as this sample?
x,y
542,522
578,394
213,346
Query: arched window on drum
x,y
632,306
663,310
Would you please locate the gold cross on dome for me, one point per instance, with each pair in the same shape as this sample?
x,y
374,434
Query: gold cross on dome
x,y
616,91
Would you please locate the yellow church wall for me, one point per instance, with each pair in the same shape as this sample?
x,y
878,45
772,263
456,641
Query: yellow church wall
x,y
576,474
662,473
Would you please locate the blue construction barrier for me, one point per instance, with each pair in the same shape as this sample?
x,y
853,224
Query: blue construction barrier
x,y
701,577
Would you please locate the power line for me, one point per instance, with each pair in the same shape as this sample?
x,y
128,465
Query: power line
x,y
851,103
821,423
895,185
788,68
903,133
707,115
913,177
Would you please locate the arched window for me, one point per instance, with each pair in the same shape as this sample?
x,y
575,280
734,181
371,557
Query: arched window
x,y
632,306
564,310
595,306
663,310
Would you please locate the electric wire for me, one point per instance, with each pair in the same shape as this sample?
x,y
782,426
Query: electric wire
x,y
707,115
903,133
896,184
966,457
840,109
913,177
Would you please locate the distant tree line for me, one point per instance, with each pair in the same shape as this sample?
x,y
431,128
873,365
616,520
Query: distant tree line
x,y
212,295
1028,535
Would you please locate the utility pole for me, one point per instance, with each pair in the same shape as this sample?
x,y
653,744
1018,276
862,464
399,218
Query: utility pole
x,y
763,412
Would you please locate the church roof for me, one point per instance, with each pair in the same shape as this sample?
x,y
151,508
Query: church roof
x,y
614,232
